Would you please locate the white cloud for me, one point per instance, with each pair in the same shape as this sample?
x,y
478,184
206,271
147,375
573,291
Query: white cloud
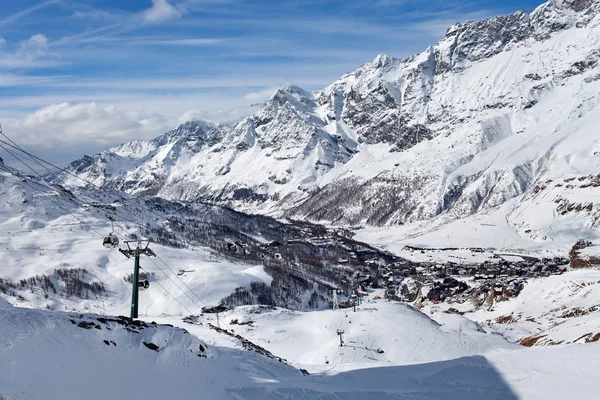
x,y
2,41
64,132
36,41
263,94
218,116
190,115
161,10
65,123
32,53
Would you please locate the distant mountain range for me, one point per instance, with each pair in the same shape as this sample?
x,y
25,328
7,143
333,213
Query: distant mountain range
x,y
504,109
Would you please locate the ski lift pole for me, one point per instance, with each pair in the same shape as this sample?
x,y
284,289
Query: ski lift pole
x,y
136,286
136,253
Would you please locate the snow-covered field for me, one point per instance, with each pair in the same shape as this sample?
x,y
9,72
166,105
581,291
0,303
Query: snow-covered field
x,y
488,229
43,355
380,333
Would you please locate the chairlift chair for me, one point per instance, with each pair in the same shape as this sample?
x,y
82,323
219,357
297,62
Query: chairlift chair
x,y
111,241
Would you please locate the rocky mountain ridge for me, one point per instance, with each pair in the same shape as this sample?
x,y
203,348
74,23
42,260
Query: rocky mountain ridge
x,y
499,109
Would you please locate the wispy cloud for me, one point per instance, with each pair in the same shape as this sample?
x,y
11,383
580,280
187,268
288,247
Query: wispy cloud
x,y
17,16
188,42
94,14
30,54
126,24
12,80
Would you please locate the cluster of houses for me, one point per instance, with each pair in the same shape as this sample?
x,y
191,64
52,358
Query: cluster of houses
x,y
499,279
528,267
263,251
500,276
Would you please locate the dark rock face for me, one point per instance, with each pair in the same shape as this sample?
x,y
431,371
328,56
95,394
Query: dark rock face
x,y
151,346
474,41
477,40
381,199
82,164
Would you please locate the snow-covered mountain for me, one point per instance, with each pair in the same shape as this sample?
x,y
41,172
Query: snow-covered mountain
x,y
501,109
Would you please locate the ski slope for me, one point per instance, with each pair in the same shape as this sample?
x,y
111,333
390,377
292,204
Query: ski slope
x,y
45,356
401,334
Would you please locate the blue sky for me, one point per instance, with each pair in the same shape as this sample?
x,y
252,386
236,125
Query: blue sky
x,y
77,76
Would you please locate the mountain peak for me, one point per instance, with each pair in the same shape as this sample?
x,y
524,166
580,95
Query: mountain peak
x,y
291,94
295,91
383,61
194,126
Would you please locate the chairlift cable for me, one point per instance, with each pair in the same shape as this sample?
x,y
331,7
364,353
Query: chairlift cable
x,y
19,148
111,219
97,217
58,205
169,293
169,278
39,161
182,281
112,239
2,145
75,200
15,146
41,177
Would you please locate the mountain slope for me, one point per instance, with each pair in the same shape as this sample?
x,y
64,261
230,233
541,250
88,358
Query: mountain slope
x,y
499,109
49,355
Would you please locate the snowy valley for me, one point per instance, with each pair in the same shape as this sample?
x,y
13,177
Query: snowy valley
x,y
425,228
